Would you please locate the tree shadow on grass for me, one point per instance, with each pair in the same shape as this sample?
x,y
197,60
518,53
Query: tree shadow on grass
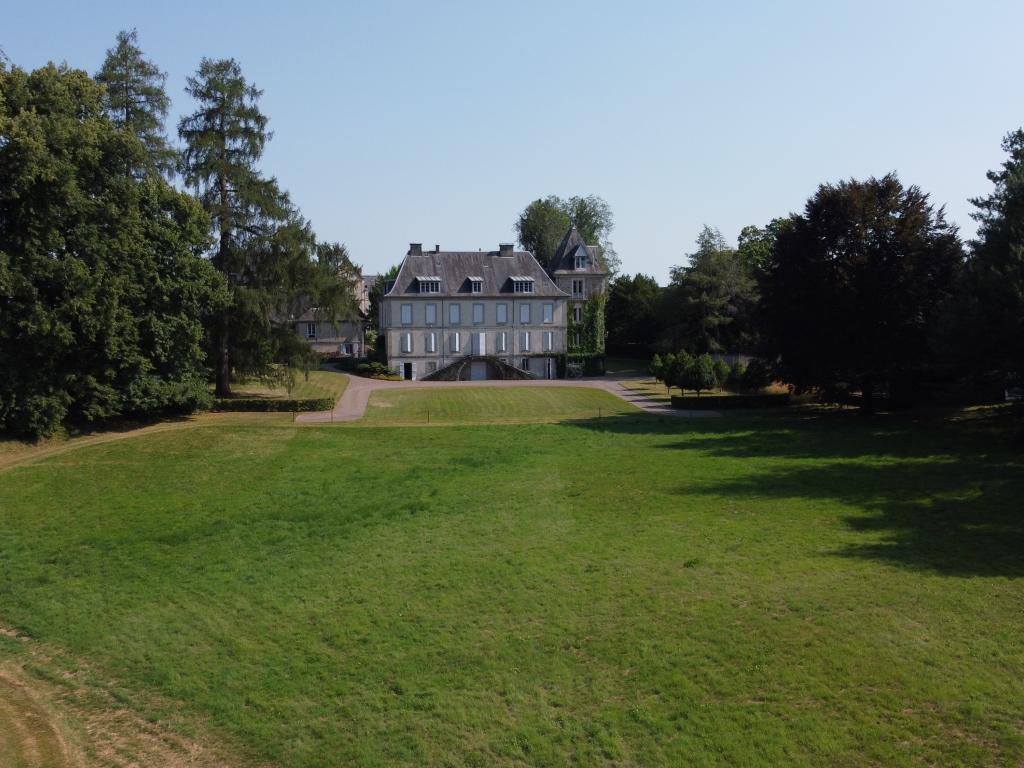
x,y
935,495
957,517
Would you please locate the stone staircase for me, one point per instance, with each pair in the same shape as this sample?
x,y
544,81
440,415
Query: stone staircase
x,y
459,370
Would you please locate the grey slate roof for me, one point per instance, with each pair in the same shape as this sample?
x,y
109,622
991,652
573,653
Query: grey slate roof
x,y
565,256
455,268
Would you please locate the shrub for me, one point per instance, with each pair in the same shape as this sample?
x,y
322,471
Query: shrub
x,y
698,374
722,371
756,377
373,368
734,382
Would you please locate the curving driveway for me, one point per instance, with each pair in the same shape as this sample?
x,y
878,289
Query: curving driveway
x,y
352,404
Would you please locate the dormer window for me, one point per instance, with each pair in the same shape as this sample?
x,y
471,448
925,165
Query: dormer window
x,y
429,284
581,258
522,284
476,284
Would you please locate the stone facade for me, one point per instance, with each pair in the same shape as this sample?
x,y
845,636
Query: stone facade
x,y
446,305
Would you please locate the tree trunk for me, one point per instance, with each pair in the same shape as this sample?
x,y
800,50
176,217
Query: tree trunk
x,y
867,397
223,362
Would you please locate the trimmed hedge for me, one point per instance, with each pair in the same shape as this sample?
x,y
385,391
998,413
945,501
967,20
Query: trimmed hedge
x,y
728,402
269,405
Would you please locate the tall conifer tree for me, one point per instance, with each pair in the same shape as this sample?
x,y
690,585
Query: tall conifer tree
x,y
265,248
136,100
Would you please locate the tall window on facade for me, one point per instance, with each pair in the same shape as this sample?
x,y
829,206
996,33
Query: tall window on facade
x,y
549,313
524,313
431,312
577,288
430,340
549,340
454,314
407,342
502,313
310,330
524,341
502,342
577,314
407,314
456,346
478,313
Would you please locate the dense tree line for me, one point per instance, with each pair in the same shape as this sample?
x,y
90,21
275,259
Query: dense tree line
x,y
120,295
867,291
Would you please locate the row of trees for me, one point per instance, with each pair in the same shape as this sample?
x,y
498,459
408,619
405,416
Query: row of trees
x,y
119,294
703,372
869,288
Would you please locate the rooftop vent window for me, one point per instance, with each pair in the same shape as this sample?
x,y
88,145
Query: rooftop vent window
x,y
429,284
476,284
522,284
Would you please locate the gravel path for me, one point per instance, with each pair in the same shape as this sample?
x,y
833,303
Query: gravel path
x,y
352,404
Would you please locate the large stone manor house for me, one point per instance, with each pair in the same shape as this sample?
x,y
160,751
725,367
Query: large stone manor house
x,y
487,314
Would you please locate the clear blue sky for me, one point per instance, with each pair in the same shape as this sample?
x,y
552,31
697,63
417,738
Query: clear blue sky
x,y
438,122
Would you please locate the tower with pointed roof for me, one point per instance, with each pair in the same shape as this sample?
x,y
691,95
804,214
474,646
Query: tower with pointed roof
x,y
576,269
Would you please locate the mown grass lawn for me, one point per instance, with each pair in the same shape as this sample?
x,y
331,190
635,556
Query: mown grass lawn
x,y
474,405
318,384
630,591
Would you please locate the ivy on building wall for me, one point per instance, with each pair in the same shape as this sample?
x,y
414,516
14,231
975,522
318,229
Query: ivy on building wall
x,y
590,329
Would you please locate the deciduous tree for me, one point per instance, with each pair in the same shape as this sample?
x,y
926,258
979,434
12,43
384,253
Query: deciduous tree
x,y
103,291
855,282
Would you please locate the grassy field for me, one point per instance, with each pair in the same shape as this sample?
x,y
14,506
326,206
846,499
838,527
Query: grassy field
x,y
785,590
492,405
319,384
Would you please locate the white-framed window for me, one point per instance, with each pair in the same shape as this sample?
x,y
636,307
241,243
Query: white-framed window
x,y
454,342
431,312
430,341
407,314
577,314
524,313
549,340
407,342
524,341
549,313
581,258
429,284
522,285
502,313
477,286
310,330
478,313
577,288
502,338
454,314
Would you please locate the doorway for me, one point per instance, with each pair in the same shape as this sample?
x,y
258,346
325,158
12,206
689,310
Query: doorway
x,y
407,371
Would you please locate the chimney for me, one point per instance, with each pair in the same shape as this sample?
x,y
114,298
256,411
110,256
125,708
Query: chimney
x,y
437,249
505,249
415,249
